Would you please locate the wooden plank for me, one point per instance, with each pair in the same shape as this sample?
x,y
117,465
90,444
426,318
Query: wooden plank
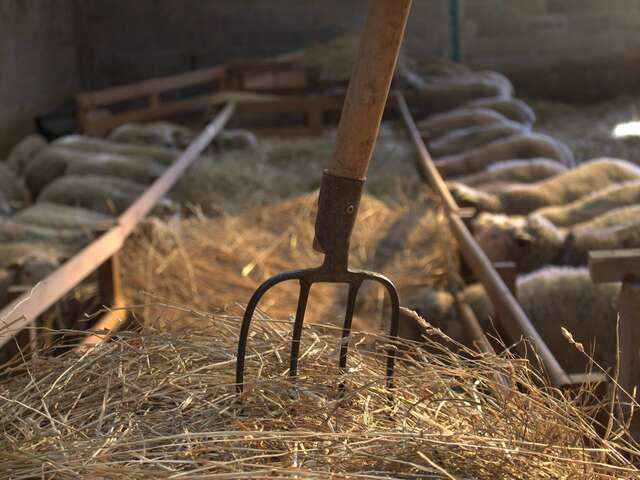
x,y
148,87
250,104
101,126
613,265
629,352
19,313
112,297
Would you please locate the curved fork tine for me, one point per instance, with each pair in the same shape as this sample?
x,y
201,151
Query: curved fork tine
x,y
305,286
395,321
346,328
248,316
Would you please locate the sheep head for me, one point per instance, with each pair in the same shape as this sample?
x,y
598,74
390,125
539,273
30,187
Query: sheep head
x,y
530,241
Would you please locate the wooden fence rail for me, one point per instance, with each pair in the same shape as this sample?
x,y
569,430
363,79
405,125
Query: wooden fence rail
x,y
624,266
23,311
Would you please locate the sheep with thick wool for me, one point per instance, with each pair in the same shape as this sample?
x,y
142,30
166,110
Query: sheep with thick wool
x,y
512,108
45,214
533,241
22,154
519,146
440,124
552,298
465,139
441,94
55,162
106,195
558,190
592,205
502,175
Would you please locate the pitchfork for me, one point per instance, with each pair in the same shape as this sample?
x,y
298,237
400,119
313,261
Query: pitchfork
x,y
342,184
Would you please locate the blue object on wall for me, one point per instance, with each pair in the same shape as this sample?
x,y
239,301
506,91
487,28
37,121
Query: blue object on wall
x,y
454,17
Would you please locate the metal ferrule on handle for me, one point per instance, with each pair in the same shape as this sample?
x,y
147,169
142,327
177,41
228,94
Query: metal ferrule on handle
x,y
338,204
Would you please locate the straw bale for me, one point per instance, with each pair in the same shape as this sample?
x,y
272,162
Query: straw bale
x,y
162,405
210,263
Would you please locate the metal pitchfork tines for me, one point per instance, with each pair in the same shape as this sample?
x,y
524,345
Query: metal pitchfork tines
x,y
342,184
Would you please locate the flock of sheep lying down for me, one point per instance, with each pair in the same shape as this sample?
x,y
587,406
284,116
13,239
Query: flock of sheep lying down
x,y
55,196
537,208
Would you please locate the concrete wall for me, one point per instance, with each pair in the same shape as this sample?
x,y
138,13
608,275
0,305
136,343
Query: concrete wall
x,y
124,41
568,49
37,62
578,49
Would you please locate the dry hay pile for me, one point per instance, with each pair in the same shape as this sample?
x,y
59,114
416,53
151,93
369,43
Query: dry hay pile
x,y
587,129
282,168
213,263
163,405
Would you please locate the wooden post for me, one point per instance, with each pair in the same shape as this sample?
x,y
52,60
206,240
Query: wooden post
x,y
154,100
466,215
508,273
629,377
315,117
111,297
615,266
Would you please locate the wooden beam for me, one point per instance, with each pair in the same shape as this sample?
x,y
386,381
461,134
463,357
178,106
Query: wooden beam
x,y
613,265
146,88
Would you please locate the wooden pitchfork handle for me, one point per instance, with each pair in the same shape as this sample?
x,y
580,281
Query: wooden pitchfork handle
x,y
369,87
343,181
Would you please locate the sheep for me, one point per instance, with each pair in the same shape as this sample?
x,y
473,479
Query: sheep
x,y
12,231
552,298
561,189
52,215
55,162
107,195
13,193
28,262
514,171
461,140
596,203
521,146
162,134
89,144
24,152
447,93
235,139
169,135
512,108
534,241
441,123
